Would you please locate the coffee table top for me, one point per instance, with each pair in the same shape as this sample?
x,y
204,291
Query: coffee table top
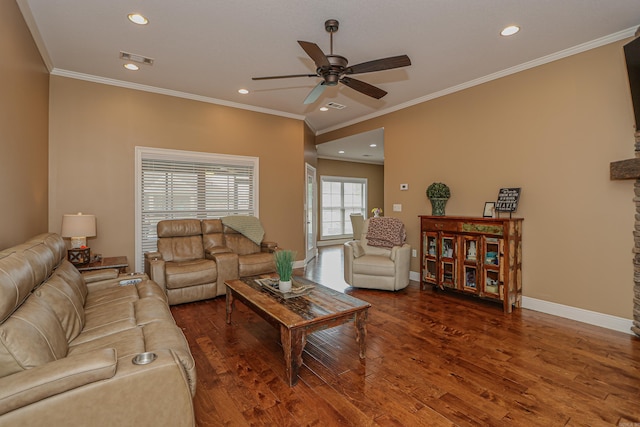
x,y
320,304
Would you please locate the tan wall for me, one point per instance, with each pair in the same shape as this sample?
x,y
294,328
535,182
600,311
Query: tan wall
x,y
95,129
310,152
373,173
552,130
24,104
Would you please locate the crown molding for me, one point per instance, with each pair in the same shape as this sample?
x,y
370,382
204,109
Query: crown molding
x,y
169,92
620,35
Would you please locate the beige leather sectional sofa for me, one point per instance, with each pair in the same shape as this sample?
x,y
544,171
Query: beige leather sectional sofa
x,y
68,342
195,257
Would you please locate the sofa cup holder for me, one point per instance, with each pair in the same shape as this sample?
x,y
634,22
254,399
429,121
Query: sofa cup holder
x,y
144,358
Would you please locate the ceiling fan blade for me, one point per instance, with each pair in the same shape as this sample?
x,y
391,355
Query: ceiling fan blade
x,y
366,88
284,77
315,93
315,53
379,65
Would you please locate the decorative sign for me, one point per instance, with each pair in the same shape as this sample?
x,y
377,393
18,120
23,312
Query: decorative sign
x,y
508,199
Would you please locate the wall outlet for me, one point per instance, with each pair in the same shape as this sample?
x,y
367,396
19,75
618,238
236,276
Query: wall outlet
x,y
414,253
397,207
404,187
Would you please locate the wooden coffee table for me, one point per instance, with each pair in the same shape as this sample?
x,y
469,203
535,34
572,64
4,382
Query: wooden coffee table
x,y
297,317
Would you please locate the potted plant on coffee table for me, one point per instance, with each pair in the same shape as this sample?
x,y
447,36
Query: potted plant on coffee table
x,y
284,266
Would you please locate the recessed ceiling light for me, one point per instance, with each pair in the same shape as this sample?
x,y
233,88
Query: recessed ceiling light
x,y
132,67
341,152
510,30
373,145
324,109
243,91
136,18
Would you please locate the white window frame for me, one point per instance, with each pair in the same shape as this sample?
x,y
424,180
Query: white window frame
x,y
144,153
341,179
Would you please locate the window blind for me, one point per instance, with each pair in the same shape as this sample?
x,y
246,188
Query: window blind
x,y
197,185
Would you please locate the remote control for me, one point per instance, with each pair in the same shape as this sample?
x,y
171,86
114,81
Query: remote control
x,y
130,281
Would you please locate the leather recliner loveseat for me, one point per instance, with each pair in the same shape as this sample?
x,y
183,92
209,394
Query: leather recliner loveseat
x,y
68,342
195,257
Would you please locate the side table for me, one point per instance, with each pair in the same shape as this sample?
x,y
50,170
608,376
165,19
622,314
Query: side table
x,y
119,262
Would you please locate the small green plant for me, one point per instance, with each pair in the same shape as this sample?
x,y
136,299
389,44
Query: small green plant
x,y
438,190
284,263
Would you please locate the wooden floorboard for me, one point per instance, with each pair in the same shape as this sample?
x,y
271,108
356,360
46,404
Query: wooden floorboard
x,y
433,359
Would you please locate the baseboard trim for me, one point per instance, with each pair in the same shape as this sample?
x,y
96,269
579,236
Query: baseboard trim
x,y
574,313
581,315
332,242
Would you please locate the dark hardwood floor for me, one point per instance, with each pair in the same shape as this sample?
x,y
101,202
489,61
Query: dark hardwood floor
x,y
433,359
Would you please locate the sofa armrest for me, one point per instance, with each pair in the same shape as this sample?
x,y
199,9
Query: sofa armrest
x,y
210,253
228,269
268,246
98,275
155,269
400,251
30,386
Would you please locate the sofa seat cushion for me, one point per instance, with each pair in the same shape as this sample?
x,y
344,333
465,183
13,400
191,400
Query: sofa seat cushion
x,y
374,265
113,294
126,342
107,319
258,263
190,273
149,310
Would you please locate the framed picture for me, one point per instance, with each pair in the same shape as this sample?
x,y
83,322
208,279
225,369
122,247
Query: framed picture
x,y
489,209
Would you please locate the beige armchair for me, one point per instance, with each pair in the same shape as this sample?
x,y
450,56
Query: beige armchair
x,y
374,267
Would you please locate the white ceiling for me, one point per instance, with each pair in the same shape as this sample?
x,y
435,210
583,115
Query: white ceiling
x,y
355,148
207,50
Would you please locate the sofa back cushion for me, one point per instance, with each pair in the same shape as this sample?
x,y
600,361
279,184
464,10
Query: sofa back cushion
x,y
179,249
180,239
32,336
238,243
42,261
212,236
66,303
55,243
16,282
74,278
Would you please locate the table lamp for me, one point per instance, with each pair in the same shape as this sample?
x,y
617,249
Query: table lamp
x,y
78,227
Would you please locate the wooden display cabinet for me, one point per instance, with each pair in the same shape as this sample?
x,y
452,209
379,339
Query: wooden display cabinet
x,y
475,256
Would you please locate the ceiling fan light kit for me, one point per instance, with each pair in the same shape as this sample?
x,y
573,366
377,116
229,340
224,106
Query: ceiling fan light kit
x,y
334,68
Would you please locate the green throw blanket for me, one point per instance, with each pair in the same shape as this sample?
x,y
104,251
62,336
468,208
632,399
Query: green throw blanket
x,y
248,226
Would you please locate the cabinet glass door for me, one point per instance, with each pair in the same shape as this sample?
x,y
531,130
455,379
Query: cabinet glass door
x,y
448,253
493,280
430,261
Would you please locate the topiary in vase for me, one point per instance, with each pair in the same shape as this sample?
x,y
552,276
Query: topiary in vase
x,y
438,194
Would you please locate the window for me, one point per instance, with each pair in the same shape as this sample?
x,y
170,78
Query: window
x,y
340,198
182,184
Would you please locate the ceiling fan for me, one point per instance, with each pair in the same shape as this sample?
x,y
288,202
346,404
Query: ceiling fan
x,y
333,68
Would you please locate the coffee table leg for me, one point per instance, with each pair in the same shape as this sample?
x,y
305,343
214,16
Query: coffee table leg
x,y
229,301
360,323
293,342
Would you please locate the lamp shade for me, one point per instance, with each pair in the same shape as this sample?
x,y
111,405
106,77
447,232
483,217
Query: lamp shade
x,y
78,226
